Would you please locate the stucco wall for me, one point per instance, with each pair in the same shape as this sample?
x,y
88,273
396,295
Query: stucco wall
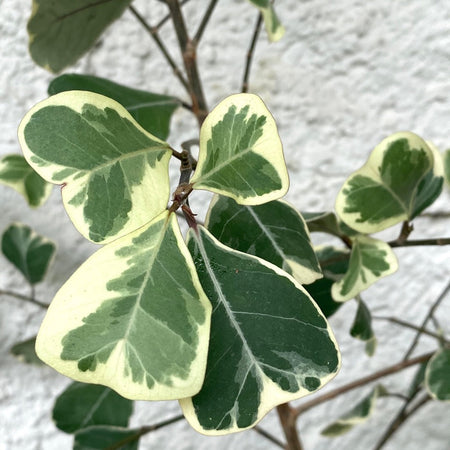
x,y
346,74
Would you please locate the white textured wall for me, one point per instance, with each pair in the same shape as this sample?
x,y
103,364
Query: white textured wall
x,y
346,74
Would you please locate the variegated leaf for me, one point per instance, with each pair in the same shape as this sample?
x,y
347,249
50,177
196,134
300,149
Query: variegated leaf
x,y
114,173
61,31
15,172
274,28
398,181
269,341
241,155
370,260
133,317
437,375
274,231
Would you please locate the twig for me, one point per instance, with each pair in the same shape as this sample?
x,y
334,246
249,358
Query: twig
x,y
399,420
436,215
287,417
250,52
433,308
420,242
362,382
24,298
153,31
406,230
269,436
204,22
166,18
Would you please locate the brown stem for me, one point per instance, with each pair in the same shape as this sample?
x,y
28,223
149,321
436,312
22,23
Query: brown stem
x,y
420,242
24,298
204,22
362,382
166,18
268,436
287,417
250,52
189,54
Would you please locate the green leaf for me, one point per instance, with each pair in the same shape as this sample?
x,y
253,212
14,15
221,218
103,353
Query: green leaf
x,y
334,264
83,405
399,180
437,379
104,437
324,222
418,379
61,31
152,111
241,155
370,260
447,165
362,327
133,317
26,353
274,28
357,415
269,341
114,173
28,251
16,173
274,231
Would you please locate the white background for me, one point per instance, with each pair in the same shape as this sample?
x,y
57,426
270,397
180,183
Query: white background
x,y
346,75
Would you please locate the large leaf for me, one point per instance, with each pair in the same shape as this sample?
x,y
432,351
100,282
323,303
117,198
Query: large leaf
x,y
274,28
362,327
61,31
104,437
152,111
133,317
15,172
84,405
28,251
240,152
370,260
334,264
25,352
357,415
114,173
274,231
398,181
437,375
269,341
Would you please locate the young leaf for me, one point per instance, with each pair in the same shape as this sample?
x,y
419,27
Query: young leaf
x,y
437,379
397,182
84,405
241,155
114,173
357,415
152,111
362,327
269,341
133,317
334,264
274,231
61,31
370,260
25,352
15,172
104,437
418,379
274,28
325,222
28,251
447,165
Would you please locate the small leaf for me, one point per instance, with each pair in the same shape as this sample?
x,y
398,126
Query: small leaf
x,y
104,437
61,31
133,317
418,379
269,341
447,165
28,251
114,174
16,173
437,379
357,415
241,155
334,264
398,181
362,327
152,111
25,352
370,260
274,28
325,222
274,231
83,405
